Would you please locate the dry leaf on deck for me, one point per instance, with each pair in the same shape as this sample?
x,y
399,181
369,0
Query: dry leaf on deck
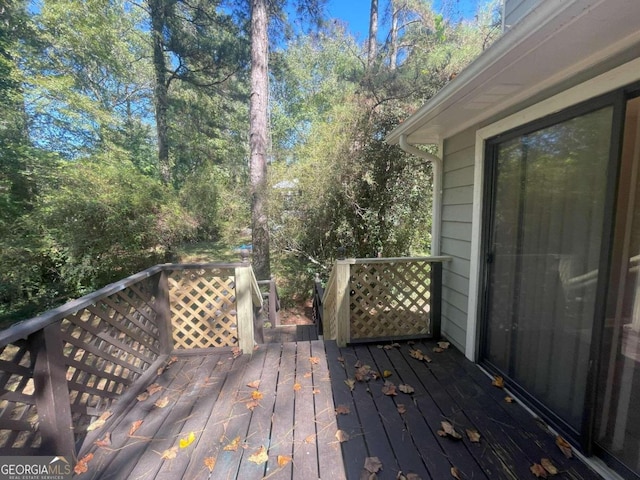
x,y
342,436
448,429
508,399
438,349
163,402
210,462
255,384
252,404
104,441
236,351
389,388
401,409
233,446
408,476
135,426
498,382
259,456
257,395
153,388
405,388
416,353
83,464
341,360
455,473
99,422
310,439
364,373
474,435
185,442
307,375
548,466
342,410
314,360
297,386
315,391
387,373
564,446
538,470
160,371
372,464
143,396
169,454
444,345
358,364
283,460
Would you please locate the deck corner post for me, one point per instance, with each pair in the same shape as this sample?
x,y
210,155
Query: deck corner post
x,y
436,299
244,308
163,310
52,393
343,317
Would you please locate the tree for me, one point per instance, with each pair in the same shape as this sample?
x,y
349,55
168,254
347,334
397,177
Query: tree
x,y
373,33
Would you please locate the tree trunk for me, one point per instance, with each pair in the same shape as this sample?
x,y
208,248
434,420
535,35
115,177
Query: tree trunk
x,y
393,55
258,134
158,14
373,33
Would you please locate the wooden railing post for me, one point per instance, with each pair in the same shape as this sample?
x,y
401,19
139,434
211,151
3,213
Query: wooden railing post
x,y
244,308
435,298
273,302
163,310
343,313
52,393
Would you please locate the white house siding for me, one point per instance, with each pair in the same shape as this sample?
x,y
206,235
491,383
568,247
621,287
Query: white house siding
x,y
457,199
514,10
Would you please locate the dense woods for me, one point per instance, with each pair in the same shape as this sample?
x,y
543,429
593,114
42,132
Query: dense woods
x,y
126,131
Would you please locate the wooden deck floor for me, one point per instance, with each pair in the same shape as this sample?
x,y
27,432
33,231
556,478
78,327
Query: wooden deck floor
x,y
449,388
207,394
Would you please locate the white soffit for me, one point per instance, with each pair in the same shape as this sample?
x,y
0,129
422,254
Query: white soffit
x,y
555,41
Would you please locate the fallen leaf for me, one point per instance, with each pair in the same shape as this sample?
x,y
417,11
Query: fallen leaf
x,y
455,473
143,396
408,476
450,431
538,470
104,441
255,384
83,464
160,371
236,351
252,404
548,466
307,375
438,349
259,456
564,446
404,388
99,422
172,360
296,386
341,360
508,399
169,454
364,373
389,388
314,360
498,382
342,436
444,345
315,391
153,388
257,395
401,409
358,364
233,446
442,433
416,353
163,402
310,439
283,460
135,426
342,410
210,462
474,435
372,464
387,373
185,442
380,347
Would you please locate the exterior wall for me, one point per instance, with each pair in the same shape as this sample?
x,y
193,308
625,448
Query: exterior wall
x,y
457,203
514,10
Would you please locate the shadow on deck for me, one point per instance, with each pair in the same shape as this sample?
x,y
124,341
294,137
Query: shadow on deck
x,y
272,415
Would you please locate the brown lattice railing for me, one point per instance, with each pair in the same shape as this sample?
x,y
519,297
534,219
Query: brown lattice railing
x,y
369,299
63,369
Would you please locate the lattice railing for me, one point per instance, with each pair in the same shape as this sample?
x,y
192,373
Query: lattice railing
x,y
384,298
63,369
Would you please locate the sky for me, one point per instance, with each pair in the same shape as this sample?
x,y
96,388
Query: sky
x,y
356,12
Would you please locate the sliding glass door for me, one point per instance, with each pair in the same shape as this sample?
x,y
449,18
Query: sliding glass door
x,y
547,188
